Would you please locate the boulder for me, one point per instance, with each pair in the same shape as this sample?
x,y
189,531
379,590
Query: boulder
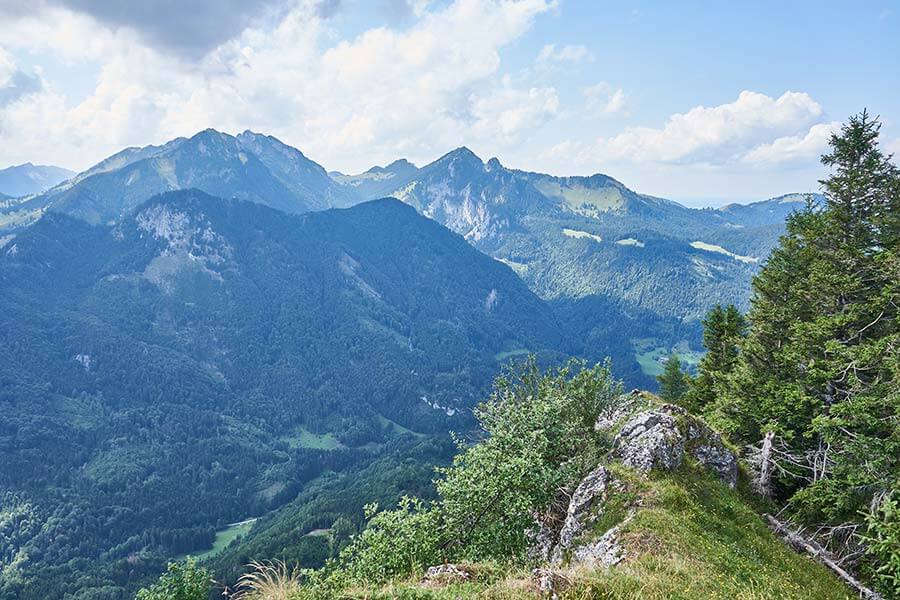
x,y
659,439
446,574
584,509
605,552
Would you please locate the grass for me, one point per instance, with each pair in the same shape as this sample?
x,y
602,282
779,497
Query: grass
x,y
304,438
501,356
692,537
225,536
649,355
399,428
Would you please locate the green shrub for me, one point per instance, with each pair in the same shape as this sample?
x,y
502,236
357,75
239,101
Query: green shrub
x,y
395,542
539,437
182,581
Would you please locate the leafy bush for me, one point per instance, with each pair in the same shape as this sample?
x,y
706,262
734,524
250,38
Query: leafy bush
x,y
182,581
539,438
395,542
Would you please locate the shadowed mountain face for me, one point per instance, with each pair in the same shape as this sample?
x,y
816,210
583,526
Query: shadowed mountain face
x,y
22,180
218,346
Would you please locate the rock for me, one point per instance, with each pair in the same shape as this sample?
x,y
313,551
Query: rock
x,y
548,582
718,458
605,552
585,507
660,438
650,440
445,574
543,540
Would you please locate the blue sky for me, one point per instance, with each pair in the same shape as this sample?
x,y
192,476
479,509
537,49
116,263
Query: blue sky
x,y
701,102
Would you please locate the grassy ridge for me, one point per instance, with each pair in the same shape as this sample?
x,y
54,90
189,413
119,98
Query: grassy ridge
x,y
692,538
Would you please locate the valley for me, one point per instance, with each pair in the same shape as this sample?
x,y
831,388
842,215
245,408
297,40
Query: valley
x,y
236,340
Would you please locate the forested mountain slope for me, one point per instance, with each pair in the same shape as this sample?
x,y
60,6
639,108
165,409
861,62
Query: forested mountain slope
x,y
576,237
201,360
603,254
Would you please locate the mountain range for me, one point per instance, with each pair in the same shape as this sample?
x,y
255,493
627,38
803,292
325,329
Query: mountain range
x,y
199,333
597,251
26,179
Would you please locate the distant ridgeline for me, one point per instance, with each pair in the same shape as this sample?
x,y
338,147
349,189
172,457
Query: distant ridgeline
x,y
628,275
174,361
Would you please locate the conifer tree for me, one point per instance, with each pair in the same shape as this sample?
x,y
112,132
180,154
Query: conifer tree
x,y
820,366
673,383
723,329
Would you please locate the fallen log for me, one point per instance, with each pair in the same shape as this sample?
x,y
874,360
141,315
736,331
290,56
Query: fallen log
x,y
814,549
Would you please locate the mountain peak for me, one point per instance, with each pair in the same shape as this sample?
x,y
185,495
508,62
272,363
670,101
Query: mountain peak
x,y
460,156
463,151
400,163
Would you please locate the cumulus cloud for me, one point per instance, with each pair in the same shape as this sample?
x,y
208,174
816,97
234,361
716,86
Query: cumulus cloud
x,y
190,28
605,99
552,54
509,113
793,149
387,92
723,134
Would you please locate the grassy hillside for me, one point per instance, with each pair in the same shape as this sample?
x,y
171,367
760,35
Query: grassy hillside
x,y
576,491
692,538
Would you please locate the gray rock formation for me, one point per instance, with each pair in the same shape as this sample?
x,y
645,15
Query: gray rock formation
x,y
446,574
660,439
553,543
605,552
585,508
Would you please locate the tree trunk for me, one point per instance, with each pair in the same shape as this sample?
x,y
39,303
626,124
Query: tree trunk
x,y
763,482
812,548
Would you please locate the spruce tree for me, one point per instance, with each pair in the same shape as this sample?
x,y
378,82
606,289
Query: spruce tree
x,y
673,383
820,366
723,330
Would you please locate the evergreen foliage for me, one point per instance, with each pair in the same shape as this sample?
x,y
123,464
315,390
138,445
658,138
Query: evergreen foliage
x,y
723,329
673,383
820,365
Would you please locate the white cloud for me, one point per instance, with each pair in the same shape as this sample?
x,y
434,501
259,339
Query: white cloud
x,y
794,149
388,92
509,113
604,99
720,134
553,54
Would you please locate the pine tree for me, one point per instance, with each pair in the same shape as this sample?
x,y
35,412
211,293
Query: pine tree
x,y
723,330
673,383
820,366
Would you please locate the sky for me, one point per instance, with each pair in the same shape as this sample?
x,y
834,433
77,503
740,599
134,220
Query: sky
x,y
702,102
